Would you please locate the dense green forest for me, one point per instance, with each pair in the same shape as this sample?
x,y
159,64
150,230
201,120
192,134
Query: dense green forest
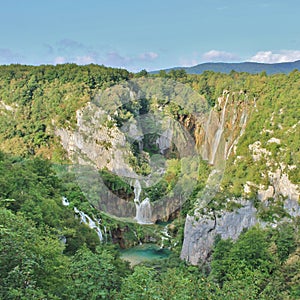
x,y
43,96
36,264
47,253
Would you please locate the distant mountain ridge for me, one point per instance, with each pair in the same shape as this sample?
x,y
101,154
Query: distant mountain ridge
x,y
249,67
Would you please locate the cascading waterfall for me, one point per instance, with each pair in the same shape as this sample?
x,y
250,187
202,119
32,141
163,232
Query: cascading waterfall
x,y
165,236
143,209
90,222
205,154
86,219
65,201
243,123
219,132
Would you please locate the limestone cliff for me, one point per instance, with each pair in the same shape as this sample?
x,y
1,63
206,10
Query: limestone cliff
x,y
227,122
201,230
96,143
219,135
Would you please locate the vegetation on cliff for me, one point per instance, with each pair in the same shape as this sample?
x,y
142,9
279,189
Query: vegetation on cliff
x,y
35,261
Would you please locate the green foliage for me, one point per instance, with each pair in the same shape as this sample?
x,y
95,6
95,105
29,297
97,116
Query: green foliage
x,y
167,182
94,275
252,268
141,284
142,73
116,184
31,260
34,264
36,191
43,96
285,241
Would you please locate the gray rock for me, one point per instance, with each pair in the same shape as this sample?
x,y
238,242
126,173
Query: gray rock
x,y
199,235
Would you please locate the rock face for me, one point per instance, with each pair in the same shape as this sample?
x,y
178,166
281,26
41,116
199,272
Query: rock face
x,y
199,235
94,142
217,140
97,143
218,136
201,229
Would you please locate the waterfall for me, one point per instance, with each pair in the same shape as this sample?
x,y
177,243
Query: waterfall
x,y
135,234
137,191
243,123
205,153
84,218
143,209
165,236
65,201
219,132
90,222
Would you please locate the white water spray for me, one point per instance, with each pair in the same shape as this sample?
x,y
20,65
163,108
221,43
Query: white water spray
x,y
143,209
90,222
219,132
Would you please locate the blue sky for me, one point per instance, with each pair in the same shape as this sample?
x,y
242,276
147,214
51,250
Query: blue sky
x,y
151,34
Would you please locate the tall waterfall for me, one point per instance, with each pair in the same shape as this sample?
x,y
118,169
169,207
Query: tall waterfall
x,y
143,209
243,123
219,132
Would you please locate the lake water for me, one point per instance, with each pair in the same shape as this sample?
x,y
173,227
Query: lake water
x,y
143,253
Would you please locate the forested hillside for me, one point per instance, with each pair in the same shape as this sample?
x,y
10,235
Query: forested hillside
x,y
54,242
249,67
34,98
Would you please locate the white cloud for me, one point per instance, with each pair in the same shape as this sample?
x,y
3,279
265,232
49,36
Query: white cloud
x,y
79,60
217,56
59,60
148,56
84,60
114,59
133,62
272,57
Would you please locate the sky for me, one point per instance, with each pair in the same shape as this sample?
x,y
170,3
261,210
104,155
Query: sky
x,y
151,35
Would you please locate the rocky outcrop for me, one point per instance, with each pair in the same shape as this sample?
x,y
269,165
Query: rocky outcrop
x,y
218,136
216,141
98,143
95,142
201,230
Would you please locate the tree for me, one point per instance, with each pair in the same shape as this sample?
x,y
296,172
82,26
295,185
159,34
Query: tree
x,y
142,73
94,275
141,284
32,265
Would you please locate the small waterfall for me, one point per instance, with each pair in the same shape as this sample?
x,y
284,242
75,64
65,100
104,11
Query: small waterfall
x,y
143,209
137,191
90,222
206,144
65,201
165,236
219,132
105,233
135,234
84,218
63,240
